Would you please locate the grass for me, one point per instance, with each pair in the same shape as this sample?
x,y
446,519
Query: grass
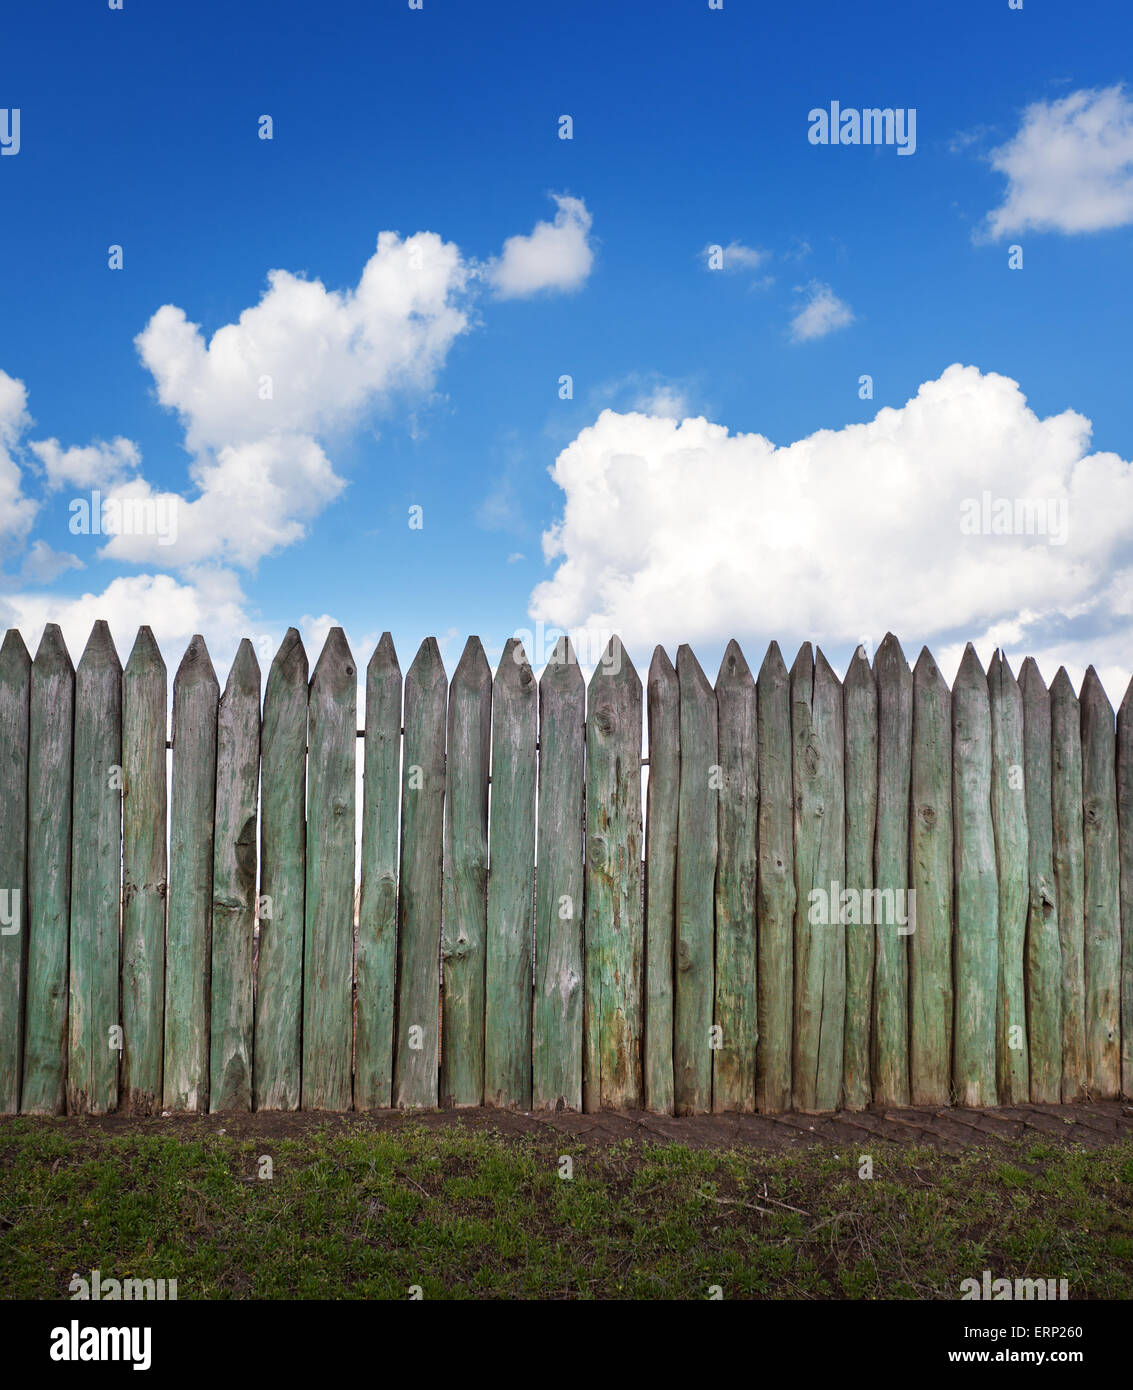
x,y
352,1212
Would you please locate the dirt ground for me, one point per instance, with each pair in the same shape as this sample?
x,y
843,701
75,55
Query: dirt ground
x,y
1086,1124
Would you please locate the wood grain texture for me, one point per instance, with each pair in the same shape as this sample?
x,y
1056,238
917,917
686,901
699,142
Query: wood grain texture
x,y
662,809
859,700
96,880
733,1063
776,893
694,992
1044,950
188,958
612,1002
416,1054
377,905
1066,809
931,857
1101,882
15,705
328,935
976,953
144,869
818,762
1124,757
557,1012
890,1058
464,934
1009,823
235,824
511,884
277,1060
51,724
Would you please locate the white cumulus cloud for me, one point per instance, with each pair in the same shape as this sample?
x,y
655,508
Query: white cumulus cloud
x,y
555,256
821,314
684,531
1069,167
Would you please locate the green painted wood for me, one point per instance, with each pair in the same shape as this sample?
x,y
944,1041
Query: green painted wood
x,y
612,1001
892,880
1101,883
859,701
556,1048
733,1063
662,809
188,954
419,903
328,935
96,880
976,949
1125,860
51,726
144,687
776,890
15,703
465,925
1009,824
1043,950
695,984
1066,807
283,880
377,907
930,862
234,884
818,764
511,884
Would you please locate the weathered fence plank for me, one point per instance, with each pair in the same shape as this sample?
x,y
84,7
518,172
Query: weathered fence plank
x,y
612,1001
15,698
976,951
1125,856
818,745
511,884
283,877
96,880
1101,882
416,1052
234,884
776,892
1066,803
696,868
143,873
1009,825
556,1048
377,903
188,956
51,734
890,1059
930,864
859,699
1044,953
663,805
464,932
733,1062
328,934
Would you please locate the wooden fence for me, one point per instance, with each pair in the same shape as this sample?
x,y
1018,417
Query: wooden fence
x,y
876,891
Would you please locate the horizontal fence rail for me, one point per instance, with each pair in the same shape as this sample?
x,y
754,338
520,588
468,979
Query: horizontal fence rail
x,y
869,891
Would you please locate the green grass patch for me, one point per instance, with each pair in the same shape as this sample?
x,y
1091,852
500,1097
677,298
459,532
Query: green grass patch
x,y
358,1212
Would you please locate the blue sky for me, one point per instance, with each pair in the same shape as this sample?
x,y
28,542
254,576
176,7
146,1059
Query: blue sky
x,y
140,128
